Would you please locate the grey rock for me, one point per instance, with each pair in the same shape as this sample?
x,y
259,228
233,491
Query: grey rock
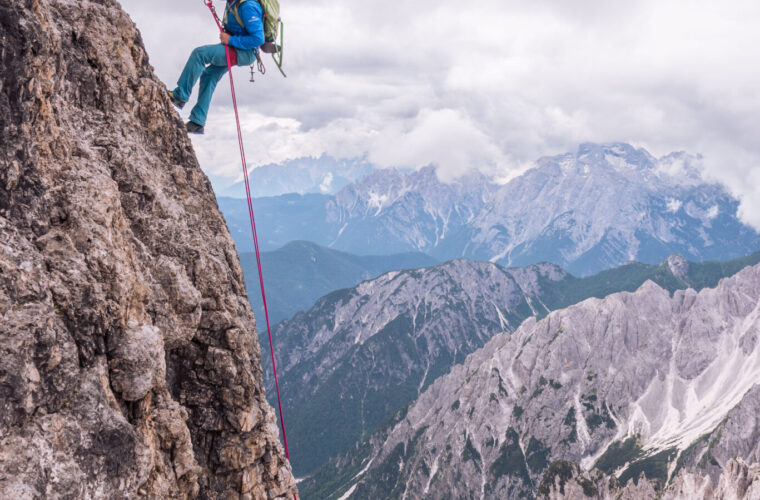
x,y
737,481
636,382
137,360
678,266
360,354
129,361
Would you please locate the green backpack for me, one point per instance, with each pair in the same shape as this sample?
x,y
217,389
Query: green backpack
x,y
273,27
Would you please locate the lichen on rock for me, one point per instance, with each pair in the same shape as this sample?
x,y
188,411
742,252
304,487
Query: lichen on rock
x,y
129,361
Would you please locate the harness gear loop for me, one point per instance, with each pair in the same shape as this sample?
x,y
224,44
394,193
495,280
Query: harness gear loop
x,y
210,5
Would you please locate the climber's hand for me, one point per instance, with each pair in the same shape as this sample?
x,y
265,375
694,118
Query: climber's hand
x,y
224,37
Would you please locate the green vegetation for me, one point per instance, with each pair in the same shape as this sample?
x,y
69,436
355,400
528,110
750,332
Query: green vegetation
x,y
689,453
334,479
589,488
562,469
554,337
360,405
707,274
455,405
517,411
301,272
344,397
630,277
596,417
511,461
571,422
619,454
654,468
502,388
537,455
470,453
542,382
708,457
387,480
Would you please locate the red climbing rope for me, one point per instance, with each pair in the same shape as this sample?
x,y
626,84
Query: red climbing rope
x,y
210,5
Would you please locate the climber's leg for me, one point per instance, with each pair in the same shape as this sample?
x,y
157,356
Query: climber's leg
x,y
200,58
209,79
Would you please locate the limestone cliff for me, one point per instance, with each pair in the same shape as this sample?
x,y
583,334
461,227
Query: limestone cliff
x,y
129,362
636,383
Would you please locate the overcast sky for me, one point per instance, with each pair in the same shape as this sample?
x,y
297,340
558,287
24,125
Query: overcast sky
x,y
492,86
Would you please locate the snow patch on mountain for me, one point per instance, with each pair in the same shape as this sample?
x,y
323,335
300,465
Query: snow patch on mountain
x,y
663,370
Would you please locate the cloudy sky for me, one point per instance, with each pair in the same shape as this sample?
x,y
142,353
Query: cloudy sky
x,y
493,86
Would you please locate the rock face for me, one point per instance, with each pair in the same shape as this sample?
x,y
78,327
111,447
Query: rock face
x,y
362,353
350,362
637,383
567,482
129,362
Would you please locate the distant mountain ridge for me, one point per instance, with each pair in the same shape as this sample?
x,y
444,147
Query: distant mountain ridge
x,y
301,272
369,350
587,211
321,175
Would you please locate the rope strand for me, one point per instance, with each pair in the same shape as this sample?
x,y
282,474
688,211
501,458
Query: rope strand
x,y
210,5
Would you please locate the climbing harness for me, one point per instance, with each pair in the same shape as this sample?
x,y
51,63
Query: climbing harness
x,y
210,5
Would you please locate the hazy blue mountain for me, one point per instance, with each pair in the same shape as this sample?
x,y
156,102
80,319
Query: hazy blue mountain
x,y
605,205
323,175
279,220
301,272
587,211
396,212
348,363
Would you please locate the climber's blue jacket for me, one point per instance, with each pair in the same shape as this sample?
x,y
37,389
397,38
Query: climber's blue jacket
x,y
251,35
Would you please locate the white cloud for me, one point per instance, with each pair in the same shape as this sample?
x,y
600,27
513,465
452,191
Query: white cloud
x,y
675,205
493,86
446,138
326,184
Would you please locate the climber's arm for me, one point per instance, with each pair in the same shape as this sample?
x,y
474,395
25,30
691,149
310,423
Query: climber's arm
x,y
252,16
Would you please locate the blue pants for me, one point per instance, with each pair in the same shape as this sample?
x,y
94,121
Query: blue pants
x,y
209,63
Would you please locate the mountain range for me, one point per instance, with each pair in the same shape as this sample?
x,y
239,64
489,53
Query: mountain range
x,y
594,209
358,355
301,272
638,395
320,175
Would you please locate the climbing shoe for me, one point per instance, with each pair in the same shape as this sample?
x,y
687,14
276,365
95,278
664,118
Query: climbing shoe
x,y
194,128
179,104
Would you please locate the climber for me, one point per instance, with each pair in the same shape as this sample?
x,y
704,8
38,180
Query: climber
x,y
243,34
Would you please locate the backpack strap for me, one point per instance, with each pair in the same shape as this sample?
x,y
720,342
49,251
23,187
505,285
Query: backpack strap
x,y
235,13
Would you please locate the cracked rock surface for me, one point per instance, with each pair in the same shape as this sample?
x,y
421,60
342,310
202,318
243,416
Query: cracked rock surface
x,y
129,360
